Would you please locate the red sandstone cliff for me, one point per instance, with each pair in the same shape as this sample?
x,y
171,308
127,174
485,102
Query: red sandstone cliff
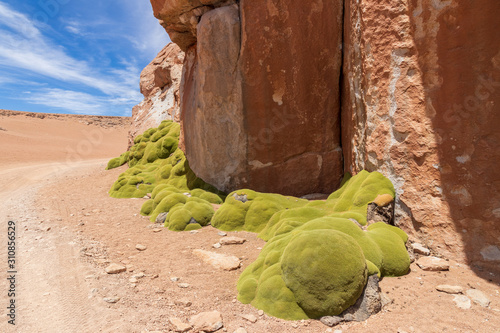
x,y
262,100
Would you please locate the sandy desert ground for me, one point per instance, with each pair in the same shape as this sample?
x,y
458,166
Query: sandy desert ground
x,y
54,187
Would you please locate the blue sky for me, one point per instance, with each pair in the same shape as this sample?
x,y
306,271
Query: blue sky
x,y
72,56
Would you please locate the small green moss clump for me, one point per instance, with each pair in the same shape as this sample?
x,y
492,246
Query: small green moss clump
x,y
155,160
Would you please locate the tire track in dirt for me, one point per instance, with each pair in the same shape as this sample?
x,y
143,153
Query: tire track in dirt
x,y
52,293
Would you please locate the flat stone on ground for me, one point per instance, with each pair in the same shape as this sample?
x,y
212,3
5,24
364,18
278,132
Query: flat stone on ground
x,y
141,247
207,321
250,317
478,297
433,264
115,269
450,289
231,240
420,249
463,302
218,260
179,326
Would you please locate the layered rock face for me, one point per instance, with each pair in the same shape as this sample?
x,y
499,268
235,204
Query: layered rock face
x,y
421,92
260,98
160,83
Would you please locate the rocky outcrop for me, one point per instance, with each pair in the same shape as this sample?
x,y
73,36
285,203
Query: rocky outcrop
x,y
421,81
181,17
256,111
261,108
160,82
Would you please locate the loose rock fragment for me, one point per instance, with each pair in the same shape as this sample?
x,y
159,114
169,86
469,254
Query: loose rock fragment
x,y
218,260
115,269
433,264
251,318
141,247
420,249
463,302
478,297
450,289
183,302
111,299
331,320
179,326
232,241
207,321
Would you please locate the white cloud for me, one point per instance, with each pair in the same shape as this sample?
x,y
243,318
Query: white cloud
x,y
23,46
75,101
150,37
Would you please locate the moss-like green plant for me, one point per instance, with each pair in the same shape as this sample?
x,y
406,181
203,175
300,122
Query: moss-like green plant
x,y
156,162
317,257
320,267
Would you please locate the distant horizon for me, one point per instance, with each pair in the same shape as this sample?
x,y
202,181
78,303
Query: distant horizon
x,y
63,113
61,57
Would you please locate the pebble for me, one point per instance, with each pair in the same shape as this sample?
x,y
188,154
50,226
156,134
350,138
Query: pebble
x,y
115,269
250,317
183,302
183,285
174,279
111,299
260,313
179,326
222,234
433,264
450,289
132,280
141,247
217,246
420,249
139,275
194,232
478,297
157,230
463,302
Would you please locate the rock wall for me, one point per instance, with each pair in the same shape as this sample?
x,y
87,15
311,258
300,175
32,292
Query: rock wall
x,y
264,105
421,91
160,83
257,111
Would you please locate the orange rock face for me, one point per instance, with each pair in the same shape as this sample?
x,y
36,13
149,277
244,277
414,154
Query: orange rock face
x,y
421,93
160,82
264,106
257,112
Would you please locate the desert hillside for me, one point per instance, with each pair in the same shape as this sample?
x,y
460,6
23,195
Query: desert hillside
x,y
40,137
